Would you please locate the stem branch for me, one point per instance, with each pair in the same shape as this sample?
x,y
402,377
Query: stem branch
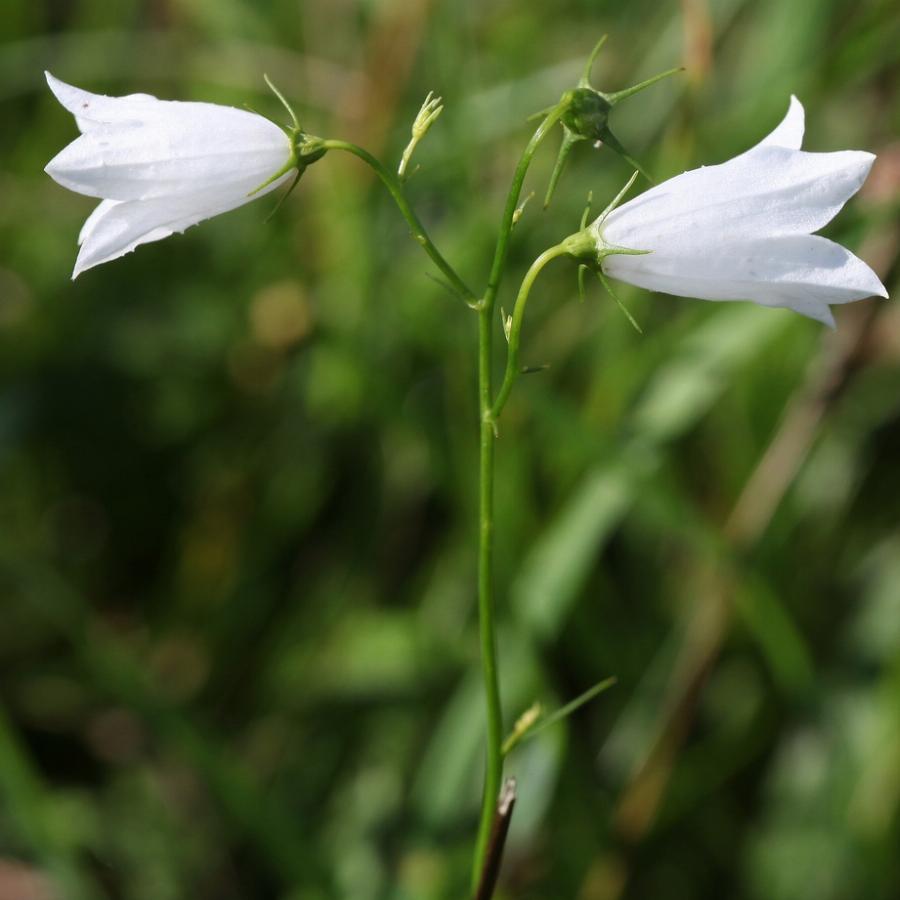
x,y
515,331
395,189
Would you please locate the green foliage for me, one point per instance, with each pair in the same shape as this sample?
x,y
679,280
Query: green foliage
x,y
237,506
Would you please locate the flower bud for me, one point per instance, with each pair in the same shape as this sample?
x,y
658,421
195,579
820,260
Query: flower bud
x,y
586,113
425,118
585,117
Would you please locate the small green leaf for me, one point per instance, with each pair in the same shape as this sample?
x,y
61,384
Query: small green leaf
x,y
530,722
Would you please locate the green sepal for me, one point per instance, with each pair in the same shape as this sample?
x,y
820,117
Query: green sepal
x,y
585,215
570,139
582,270
585,80
284,103
616,96
286,194
290,164
305,150
614,202
619,303
612,142
589,249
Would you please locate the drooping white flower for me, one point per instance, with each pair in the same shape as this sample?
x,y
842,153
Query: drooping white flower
x,y
743,230
160,166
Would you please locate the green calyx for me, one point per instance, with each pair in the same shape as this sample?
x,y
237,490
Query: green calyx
x,y
586,118
589,249
305,149
587,245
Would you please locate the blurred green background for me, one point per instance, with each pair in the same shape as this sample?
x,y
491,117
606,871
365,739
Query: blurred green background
x,y
238,641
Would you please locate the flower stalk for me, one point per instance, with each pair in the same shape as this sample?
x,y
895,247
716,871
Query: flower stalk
x,y
515,327
395,188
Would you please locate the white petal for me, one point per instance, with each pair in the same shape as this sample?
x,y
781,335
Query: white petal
x,y
139,147
767,191
789,132
99,212
91,110
144,162
802,272
115,228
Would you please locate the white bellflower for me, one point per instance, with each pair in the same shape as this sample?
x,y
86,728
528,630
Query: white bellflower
x,y
160,166
743,230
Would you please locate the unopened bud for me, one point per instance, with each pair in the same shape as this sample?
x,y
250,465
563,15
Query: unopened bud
x,y
587,113
425,118
521,208
585,117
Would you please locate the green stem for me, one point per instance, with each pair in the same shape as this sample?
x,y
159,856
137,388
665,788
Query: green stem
x,y
512,201
515,330
494,761
395,189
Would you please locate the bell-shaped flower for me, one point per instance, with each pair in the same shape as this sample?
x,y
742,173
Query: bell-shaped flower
x,y
743,230
160,166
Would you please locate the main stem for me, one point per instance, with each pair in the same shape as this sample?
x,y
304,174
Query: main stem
x,y
490,410
494,761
